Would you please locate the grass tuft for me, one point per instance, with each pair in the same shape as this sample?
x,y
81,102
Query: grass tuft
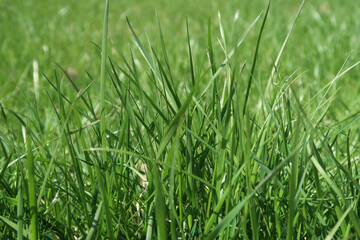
x,y
245,130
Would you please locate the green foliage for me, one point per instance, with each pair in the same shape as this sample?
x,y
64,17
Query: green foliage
x,y
180,136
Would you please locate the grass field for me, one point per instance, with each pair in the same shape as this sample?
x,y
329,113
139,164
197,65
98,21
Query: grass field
x,y
188,120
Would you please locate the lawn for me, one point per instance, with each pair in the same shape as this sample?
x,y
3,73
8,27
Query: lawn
x,y
179,120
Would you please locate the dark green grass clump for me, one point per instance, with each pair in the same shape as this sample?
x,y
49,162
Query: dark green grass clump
x,y
219,150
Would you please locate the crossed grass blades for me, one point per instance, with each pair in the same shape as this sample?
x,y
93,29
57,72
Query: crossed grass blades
x,y
216,152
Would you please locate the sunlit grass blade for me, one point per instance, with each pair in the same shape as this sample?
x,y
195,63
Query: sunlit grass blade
x,y
95,223
236,210
339,222
102,183
278,58
32,187
218,71
338,192
14,226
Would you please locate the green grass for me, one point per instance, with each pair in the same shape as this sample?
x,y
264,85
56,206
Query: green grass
x,y
231,121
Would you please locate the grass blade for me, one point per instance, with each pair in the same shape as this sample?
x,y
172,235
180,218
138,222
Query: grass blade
x,y
255,58
32,188
236,210
102,184
95,223
339,222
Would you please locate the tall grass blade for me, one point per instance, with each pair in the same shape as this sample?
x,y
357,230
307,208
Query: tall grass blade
x,y
255,58
278,58
32,187
242,38
20,208
102,184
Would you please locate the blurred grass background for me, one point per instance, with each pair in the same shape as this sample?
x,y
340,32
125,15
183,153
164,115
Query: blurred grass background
x,y
63,32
